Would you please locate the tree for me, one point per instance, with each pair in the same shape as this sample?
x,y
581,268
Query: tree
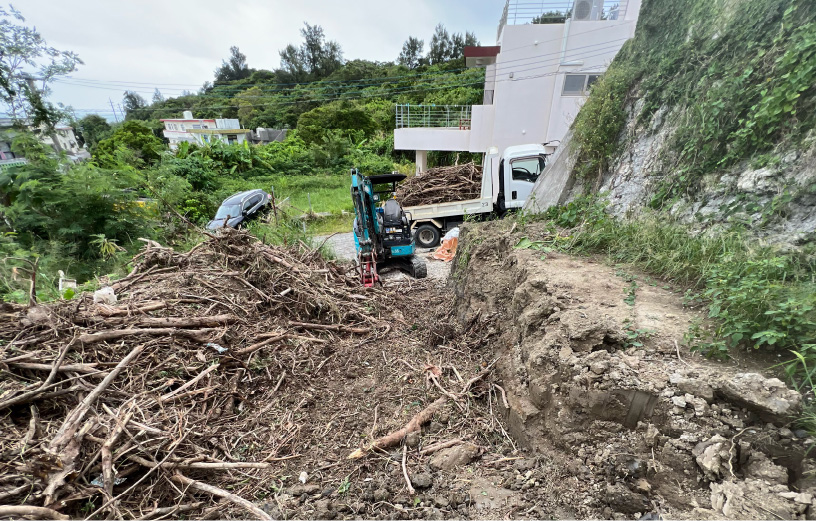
x,y
441,46
343,116
92,128
157,96
411,55
551,17
24,48
459,42
235,68
249,104
132,143
315,59
133,104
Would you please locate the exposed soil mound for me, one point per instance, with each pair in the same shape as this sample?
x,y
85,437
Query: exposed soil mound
x,y
441,184
597,380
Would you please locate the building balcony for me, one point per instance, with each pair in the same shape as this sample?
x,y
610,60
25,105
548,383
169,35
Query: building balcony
x,y
455,117
519,12
8,163
449,128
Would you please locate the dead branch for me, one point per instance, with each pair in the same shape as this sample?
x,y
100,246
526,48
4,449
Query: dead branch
x,y
201,465
74,368
215,491
330,327
254,347
405,470
119,312
441,184
422,417
430,449
29,511
189,384
389,440
72,421
200,335
213,321
175,509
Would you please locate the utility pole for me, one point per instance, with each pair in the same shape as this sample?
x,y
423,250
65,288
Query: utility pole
x,y
114,110
30,80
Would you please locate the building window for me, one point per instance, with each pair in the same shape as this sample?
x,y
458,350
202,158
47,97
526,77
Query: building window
x,y
578,84
232,138
197,126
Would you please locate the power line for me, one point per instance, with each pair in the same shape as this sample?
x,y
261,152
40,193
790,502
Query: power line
x,y
236,85
541,63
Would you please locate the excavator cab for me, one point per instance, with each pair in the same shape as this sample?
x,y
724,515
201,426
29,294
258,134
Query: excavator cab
x,y
382,231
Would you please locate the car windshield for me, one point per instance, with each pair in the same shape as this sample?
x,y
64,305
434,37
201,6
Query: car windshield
x,y
228,210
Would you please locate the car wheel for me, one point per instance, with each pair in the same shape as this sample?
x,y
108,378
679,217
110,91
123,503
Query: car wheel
x,y
427,236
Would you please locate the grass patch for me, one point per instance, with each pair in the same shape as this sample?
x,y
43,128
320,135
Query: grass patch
x,y
760,297
328,193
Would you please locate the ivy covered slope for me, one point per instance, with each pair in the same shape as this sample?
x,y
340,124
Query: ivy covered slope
x,y
708,113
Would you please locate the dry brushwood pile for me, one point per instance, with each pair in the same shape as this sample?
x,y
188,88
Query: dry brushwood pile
x,y
222,377
441,184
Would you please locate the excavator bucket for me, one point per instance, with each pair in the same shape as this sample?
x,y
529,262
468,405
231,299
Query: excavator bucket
x,y
368,270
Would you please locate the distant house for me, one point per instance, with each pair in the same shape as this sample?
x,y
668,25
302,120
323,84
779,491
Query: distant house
x,y
203,131
62,139
262,136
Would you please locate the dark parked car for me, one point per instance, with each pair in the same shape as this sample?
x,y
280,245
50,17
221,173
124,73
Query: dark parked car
x,y
240,208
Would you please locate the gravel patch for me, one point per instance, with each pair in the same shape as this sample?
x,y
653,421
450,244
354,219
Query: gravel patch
x,y
343,246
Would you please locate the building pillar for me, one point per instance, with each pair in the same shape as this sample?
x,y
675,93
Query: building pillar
x,y
421,161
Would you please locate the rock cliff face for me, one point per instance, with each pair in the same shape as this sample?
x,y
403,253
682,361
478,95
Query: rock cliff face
x,y
707,116
775,198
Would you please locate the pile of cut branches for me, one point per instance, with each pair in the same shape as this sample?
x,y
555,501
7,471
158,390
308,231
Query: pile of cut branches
x,y
152,405
441,184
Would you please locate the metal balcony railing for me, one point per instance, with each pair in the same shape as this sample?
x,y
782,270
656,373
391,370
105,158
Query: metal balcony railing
x,y
520,12
433,116
8,163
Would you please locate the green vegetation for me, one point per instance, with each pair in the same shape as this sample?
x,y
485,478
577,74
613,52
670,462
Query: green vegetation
x,y
757,296
86,219
738,79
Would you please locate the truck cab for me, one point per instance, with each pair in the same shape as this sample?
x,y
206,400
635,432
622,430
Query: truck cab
x,y
518,170
507,182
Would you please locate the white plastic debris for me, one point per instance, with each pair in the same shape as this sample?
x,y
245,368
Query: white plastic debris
x,y
99,481
221,350
452,234
303,477
104,296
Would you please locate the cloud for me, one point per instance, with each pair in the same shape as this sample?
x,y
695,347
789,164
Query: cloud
x,y
156,43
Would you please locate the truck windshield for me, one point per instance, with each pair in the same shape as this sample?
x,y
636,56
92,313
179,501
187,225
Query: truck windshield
x,y
231,210
527,168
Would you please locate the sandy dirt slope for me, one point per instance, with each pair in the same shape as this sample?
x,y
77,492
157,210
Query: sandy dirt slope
x,y
599,381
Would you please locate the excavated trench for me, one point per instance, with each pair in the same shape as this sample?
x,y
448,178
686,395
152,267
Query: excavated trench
x,y
600,387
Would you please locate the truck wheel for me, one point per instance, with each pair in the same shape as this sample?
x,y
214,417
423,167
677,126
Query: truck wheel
x,y
427,236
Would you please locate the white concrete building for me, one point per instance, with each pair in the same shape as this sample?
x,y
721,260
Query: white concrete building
x,y
546,57
203,131
62,140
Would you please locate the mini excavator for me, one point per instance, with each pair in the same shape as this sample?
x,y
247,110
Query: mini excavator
x,y
382,231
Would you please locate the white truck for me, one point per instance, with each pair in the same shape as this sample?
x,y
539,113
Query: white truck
x,y
507,181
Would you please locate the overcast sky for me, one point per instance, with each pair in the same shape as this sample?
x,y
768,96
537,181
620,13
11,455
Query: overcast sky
x,y
143,44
